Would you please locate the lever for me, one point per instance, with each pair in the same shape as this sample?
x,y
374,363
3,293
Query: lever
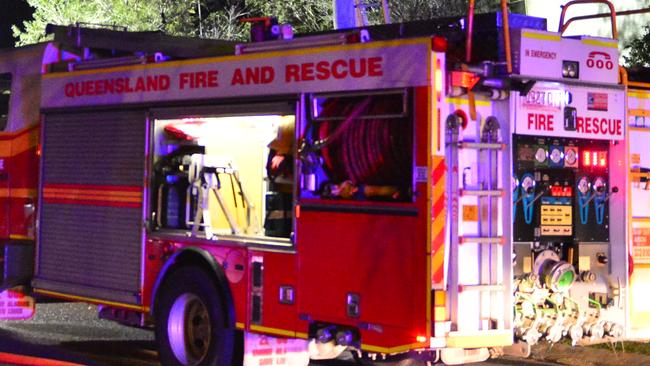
x,y
540,194
614,191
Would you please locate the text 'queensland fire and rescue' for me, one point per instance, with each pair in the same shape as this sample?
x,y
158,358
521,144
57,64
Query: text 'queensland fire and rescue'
x,y
590,125
257,75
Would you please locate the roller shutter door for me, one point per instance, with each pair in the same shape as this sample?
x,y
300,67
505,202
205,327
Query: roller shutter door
x,y
91,208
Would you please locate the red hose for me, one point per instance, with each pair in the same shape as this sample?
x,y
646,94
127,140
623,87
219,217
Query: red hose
x,y
372,151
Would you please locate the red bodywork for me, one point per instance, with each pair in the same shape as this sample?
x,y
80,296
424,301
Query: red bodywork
x,y
378,251
18,182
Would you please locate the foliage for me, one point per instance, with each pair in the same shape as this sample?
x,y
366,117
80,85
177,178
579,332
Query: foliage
x,y
406,10
139,15
216,18
639,50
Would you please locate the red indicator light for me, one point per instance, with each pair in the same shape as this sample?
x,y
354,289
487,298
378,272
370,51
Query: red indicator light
x,y
559,191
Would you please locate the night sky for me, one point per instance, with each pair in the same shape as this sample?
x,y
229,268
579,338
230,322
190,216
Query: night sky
x,y
11,12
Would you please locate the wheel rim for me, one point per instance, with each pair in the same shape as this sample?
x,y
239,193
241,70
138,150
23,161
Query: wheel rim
x,y
189,329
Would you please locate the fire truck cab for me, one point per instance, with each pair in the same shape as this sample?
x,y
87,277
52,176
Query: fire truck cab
x,y
302,198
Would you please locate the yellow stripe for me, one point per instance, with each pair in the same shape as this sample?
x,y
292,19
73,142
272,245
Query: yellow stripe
x,y
479,341
16,133
91,300
440,309
302,335
638,94
438,225
440,297
438,259
397,349
17,193
20,237
638,84
18,145
25,142
595,42
543,36
439,190
254,56
282,332
638,129
639,112
18,142
480,103
239,325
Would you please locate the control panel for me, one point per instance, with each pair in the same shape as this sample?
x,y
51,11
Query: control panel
x,y
560,190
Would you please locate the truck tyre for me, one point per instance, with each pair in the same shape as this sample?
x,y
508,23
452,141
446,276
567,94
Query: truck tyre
x,y
191,325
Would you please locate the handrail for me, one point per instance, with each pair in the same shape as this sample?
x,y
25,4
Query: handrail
x,y
604,15
612,13
506,33
470,32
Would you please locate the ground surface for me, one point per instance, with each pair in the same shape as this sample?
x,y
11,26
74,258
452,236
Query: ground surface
x,y
72,332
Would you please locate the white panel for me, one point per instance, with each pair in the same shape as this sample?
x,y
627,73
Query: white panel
x,y
600,112
542,53
364,66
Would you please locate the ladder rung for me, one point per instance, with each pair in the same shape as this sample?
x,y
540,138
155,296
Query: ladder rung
x,y
481,288
481,192
481,145
481,240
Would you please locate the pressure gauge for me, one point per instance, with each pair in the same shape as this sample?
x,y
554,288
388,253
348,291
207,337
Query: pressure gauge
x,y
540,155
556,155
583,185
600,185
528,184
570,157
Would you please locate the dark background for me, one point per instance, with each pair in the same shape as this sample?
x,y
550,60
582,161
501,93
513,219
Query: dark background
x,y
12,12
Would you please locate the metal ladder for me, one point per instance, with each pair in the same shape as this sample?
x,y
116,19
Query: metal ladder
x,y
490,248
360,7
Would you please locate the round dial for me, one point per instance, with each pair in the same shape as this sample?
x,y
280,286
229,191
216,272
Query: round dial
x,y
570,156
540,155
556,155
527,183
599,185
583,185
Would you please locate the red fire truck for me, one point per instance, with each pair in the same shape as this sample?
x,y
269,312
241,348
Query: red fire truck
x,y
331,195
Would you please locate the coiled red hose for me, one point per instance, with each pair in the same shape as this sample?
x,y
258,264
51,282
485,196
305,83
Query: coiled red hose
x,y
373,151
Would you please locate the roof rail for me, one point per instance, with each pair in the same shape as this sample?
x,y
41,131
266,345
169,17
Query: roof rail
x,y
320,40
144,42
506,33
612,14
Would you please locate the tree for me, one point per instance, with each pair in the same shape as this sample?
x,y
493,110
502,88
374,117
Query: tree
x,y
138,15
205,18
639,50
406,10
216,18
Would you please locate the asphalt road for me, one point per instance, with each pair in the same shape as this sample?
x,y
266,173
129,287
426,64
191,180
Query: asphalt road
x,y
72,332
